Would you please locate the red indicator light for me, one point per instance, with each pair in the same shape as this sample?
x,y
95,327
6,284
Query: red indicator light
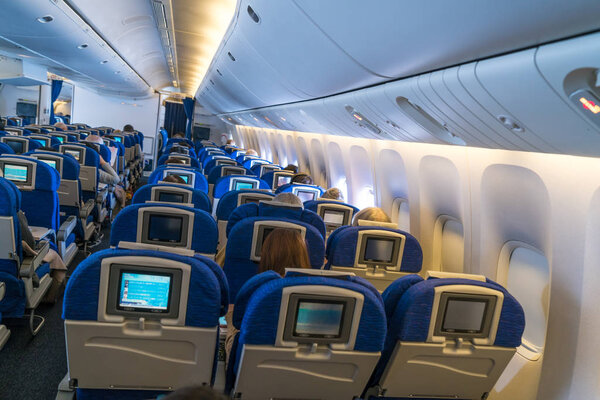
x,y
590,105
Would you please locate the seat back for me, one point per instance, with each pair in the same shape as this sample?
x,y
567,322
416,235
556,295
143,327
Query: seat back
x,y
261,168
334,213
305,192
252,162
447,337
69,190
244,244
166,227
20,144
174,194
89,166
277,178
153,317
224,170
237,182
322,335
6,149
11,251
38,183
380,255
194,177
192,162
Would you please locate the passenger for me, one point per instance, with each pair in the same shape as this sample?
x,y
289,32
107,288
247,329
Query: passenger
x,y
251,152
291,167
193,393
333,194
283,248
62,126
302,178
128,128
285,198
370,214
173,160
179,135
58,269
230,142
173,179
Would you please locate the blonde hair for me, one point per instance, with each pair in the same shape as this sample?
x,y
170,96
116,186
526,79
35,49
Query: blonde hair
x,y
370,214
251,152
333,194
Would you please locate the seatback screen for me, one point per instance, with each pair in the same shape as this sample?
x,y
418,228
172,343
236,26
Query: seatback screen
x,y
241,185
226,171
333,217
75,153
118,139
51,163
15,173
379,250
60,139
185,177
283,180
144,292
170,197
16,146
165,229
43,142
306,195
319,319
464,316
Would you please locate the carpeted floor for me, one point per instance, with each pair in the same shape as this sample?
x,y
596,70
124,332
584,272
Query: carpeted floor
x,y
32,367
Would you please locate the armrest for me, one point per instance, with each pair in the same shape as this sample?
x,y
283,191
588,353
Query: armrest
x,y
66,228
30,264
87,208
2,290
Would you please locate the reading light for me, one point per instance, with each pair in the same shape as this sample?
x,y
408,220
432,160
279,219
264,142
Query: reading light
x,y
82,46
45,19
103,61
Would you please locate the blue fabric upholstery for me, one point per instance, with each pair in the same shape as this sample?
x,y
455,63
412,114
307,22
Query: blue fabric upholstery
x,y
214,173
5,149
82,291
211,162
409,303
238,266
341,248
200,182
200,199
246,292
261,317
277,210
229,202
163,159
204,231
290,186
222,184
40,204
250,163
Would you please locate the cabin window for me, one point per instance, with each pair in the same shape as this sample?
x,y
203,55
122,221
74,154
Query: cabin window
x,y
401,214
529,282
361,184
450,244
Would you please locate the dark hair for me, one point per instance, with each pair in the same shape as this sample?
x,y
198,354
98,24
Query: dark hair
x,y
173,160
128,128
173,179
283,248
292,167
179,135
302,178
194,393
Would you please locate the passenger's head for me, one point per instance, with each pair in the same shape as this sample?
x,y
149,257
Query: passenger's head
x,y
251,152
61,126
128,128
94,139
283,248
302,178
292,167
173,179
230,142
333,194
178,135
288,198
173,160
370,214
194,393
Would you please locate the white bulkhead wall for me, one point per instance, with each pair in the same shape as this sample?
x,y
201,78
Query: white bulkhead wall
x,y
543,207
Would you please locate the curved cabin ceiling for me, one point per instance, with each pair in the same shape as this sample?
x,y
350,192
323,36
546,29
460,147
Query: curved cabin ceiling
x,y
286,51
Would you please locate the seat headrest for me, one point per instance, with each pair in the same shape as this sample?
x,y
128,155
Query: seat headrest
x,y
10,198
343,242
44,177
200,182
199,199
229,202
226,183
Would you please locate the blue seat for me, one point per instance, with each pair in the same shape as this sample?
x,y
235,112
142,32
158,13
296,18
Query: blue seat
x,y
5,149
20,144
178,149
174,346
252,162
354,249
172,141
469,329
237,182
276,210
177,226
274,317
172,193
305,192
277,178
162,139
213,162
17,269
262,168
241,258
217,172
198,179
192,162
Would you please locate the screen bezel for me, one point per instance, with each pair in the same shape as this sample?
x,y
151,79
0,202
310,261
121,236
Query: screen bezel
x,y
232,168
57,160
243,198
24,143
489,312
233,182
114,289
276,176
220,162
183,242
155,195
292,312
191,176
80,150
331,226
314,193
364,235
28,181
